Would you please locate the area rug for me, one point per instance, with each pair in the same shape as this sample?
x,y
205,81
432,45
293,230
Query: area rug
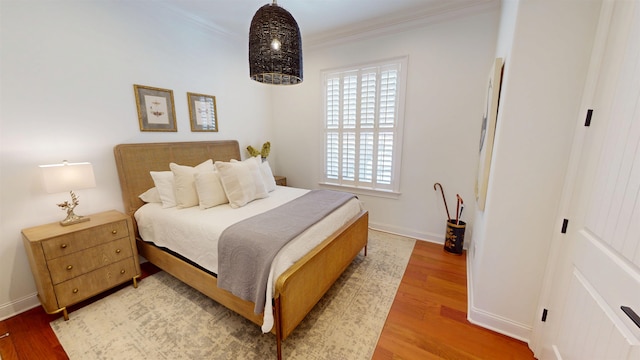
x,y
165,319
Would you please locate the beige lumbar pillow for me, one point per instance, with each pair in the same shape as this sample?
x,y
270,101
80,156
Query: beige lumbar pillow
x,y
210,190
242,181
185,184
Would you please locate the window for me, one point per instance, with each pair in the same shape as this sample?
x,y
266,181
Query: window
x,y
363,125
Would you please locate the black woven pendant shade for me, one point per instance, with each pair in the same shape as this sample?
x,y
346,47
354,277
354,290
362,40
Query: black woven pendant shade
x,y
275,47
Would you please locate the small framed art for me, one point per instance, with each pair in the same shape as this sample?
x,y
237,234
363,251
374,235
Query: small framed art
x,y
156,111
202,112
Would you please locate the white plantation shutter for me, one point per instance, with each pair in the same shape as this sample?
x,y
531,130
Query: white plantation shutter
x,y
349,101
333,155
388,82
368,100
366,158
348,156
333,104
363,126
385,158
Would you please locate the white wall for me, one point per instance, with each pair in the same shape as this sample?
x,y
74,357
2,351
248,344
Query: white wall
x,y
546,45
67,75
448,61
68,69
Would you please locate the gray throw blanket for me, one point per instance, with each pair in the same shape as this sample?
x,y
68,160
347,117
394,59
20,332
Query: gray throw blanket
x,y
247,249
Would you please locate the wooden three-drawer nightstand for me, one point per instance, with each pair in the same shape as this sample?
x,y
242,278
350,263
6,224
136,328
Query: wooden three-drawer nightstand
x,y
75,262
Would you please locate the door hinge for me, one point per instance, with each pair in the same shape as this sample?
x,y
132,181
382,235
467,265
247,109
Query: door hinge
x,y
565,223
587,121
544,315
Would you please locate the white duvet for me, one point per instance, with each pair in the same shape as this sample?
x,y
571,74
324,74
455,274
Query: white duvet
x,y
193,232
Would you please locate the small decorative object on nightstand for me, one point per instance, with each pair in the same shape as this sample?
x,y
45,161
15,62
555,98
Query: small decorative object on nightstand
x,y
73,263
280,180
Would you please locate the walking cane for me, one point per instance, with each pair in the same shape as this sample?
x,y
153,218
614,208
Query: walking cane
x,y
443,198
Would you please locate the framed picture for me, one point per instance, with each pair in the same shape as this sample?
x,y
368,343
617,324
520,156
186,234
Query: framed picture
x,y
156,111
487,133
202,112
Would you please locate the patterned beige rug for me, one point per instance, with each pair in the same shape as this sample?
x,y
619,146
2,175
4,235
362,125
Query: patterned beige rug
x,y
165,319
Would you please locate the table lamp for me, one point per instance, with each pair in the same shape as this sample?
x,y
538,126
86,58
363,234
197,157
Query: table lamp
x,y
68,177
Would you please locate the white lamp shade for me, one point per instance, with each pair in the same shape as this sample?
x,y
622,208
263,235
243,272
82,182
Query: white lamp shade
x,y
67,177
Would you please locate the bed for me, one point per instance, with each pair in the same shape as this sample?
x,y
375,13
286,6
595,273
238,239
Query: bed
x,y
296,290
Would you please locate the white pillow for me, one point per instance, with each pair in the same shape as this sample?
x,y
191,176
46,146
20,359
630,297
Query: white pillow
x,y
242,181
164,183
210,190
184,182
267,176
151,196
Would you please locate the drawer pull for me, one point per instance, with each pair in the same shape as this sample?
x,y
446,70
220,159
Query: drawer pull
x,y
118,251
69,267
63,246
75,291
114,231
122,271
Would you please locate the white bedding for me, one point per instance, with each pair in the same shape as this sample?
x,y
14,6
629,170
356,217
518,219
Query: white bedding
x,y
193,232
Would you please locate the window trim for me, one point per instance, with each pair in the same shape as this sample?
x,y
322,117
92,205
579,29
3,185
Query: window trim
x,y
362,191
394,190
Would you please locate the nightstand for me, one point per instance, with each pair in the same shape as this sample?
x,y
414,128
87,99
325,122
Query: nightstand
x,y
73,263
281,180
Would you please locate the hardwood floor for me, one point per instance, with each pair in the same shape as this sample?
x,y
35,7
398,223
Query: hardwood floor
x,y
427,319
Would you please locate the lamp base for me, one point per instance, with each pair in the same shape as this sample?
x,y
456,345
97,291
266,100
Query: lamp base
x,y
69,206
74,219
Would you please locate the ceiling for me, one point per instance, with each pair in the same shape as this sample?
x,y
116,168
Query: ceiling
x,y
320,20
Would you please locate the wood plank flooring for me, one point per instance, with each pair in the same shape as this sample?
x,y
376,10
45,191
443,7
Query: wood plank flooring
x,y
427,319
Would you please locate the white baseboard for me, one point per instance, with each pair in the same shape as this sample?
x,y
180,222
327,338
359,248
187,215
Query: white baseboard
x,y
18,306
434,238
499,324
491,321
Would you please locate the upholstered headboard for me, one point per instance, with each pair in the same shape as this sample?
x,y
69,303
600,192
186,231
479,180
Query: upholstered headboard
x,y
135,161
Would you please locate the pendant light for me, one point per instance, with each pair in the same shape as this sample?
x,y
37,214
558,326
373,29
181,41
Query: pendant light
x,y
275,47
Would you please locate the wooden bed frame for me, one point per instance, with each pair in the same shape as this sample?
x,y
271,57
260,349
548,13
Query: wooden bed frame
x,y
297,290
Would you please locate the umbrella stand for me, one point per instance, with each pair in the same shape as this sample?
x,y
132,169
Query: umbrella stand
x,y
454,236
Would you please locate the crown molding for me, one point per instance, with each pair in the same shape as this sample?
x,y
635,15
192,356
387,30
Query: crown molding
x,y
201,22
385,25
400,23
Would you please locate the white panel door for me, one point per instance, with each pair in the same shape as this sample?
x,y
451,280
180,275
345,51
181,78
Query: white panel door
x,y
599,267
